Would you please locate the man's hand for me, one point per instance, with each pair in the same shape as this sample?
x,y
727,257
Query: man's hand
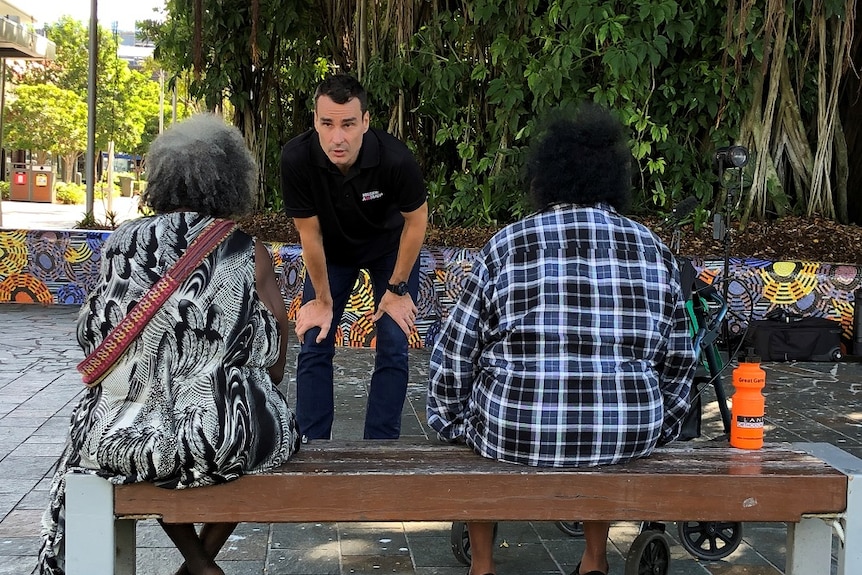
x,y
314,313
400,308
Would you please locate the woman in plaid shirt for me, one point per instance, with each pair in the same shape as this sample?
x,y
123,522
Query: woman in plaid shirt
x,y
569,345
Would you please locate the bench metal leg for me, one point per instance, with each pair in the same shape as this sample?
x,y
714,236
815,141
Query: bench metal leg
x,y
809,547
850,553
95,543
850,546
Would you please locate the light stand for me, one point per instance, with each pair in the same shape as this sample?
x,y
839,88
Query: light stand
x,y
734,157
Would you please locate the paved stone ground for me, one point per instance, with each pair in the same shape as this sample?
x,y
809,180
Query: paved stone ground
x,y
39,385
44,216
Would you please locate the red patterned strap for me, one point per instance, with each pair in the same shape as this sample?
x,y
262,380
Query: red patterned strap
x,y
96,365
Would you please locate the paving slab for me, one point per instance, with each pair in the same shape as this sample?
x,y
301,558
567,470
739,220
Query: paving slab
x,y
39,386
52,216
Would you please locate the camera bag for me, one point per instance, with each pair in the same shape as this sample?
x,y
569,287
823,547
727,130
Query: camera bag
x,y
794,338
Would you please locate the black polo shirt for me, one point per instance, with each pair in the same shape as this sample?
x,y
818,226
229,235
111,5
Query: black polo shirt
x,y
360,213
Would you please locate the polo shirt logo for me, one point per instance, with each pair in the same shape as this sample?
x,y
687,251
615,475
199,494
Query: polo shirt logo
x,y
372,195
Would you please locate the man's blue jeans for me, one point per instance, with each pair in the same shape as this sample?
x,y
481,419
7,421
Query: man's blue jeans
x,y
315,405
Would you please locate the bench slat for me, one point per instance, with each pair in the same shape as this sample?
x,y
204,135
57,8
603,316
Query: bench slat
x,y
424,457
428,481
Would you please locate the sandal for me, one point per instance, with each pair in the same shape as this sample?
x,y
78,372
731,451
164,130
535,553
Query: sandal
x,y
577,571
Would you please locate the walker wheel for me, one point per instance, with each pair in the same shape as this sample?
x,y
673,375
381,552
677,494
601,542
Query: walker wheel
x,y
459,539
571,528
710,540
649,554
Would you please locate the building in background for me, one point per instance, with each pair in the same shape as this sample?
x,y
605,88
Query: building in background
x,y
131,49
18,36
19,40
12,12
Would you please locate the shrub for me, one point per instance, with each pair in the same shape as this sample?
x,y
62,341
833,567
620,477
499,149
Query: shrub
x,y
70,193
99,190
4,190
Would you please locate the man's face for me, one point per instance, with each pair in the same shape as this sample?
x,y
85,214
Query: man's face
x,y
340,128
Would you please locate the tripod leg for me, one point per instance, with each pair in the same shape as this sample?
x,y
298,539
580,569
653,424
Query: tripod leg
x,y
713,362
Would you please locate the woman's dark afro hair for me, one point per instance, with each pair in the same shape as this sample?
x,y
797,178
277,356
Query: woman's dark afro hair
x,y
580,157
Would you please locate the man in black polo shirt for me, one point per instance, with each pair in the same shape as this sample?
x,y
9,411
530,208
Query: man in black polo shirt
x,y
358,200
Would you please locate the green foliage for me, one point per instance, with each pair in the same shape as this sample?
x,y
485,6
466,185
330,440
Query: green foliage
x,y
239,54
89,222
70,193
481,82
651,61
4,190
100,190
126,100
45,117
465,84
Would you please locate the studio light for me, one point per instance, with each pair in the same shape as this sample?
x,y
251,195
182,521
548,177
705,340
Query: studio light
x,y
727,157
732,156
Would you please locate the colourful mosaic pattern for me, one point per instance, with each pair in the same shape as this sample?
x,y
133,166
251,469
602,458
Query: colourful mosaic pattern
x,y
442,271
59,267
48,267
810,289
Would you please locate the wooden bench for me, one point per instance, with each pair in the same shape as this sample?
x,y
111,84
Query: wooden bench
x,y
809,486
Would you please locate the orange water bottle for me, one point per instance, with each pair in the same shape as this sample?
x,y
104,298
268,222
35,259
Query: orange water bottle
x,y
746,414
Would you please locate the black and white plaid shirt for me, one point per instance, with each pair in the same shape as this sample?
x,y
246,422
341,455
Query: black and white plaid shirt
x,y
569,345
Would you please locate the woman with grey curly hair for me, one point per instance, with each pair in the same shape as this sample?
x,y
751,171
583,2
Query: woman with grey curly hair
x,y
193,400
200,165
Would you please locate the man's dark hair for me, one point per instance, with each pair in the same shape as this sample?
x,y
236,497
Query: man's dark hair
x,y
580,158
342,88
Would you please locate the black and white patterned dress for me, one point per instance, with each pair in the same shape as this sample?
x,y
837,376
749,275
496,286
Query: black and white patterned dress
x,y
191,402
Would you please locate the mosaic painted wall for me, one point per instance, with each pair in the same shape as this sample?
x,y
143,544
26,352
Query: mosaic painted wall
x,y
810,289
59,268
442,271
48,267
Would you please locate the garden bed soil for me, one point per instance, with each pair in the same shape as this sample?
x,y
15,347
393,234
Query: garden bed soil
x,y
791,238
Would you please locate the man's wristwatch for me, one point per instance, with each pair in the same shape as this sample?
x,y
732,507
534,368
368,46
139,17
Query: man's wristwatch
x,y
398,289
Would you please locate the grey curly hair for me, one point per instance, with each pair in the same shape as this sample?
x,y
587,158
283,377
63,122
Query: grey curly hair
x,y
203,165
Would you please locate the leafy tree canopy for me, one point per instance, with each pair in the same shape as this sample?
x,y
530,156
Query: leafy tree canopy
x,y
45,117
466,83
127,101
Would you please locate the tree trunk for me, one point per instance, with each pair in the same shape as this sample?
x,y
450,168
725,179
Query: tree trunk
x,y
839,147
762,117
850,113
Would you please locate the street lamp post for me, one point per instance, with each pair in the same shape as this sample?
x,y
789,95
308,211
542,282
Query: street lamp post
x,y
90,161
2,109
